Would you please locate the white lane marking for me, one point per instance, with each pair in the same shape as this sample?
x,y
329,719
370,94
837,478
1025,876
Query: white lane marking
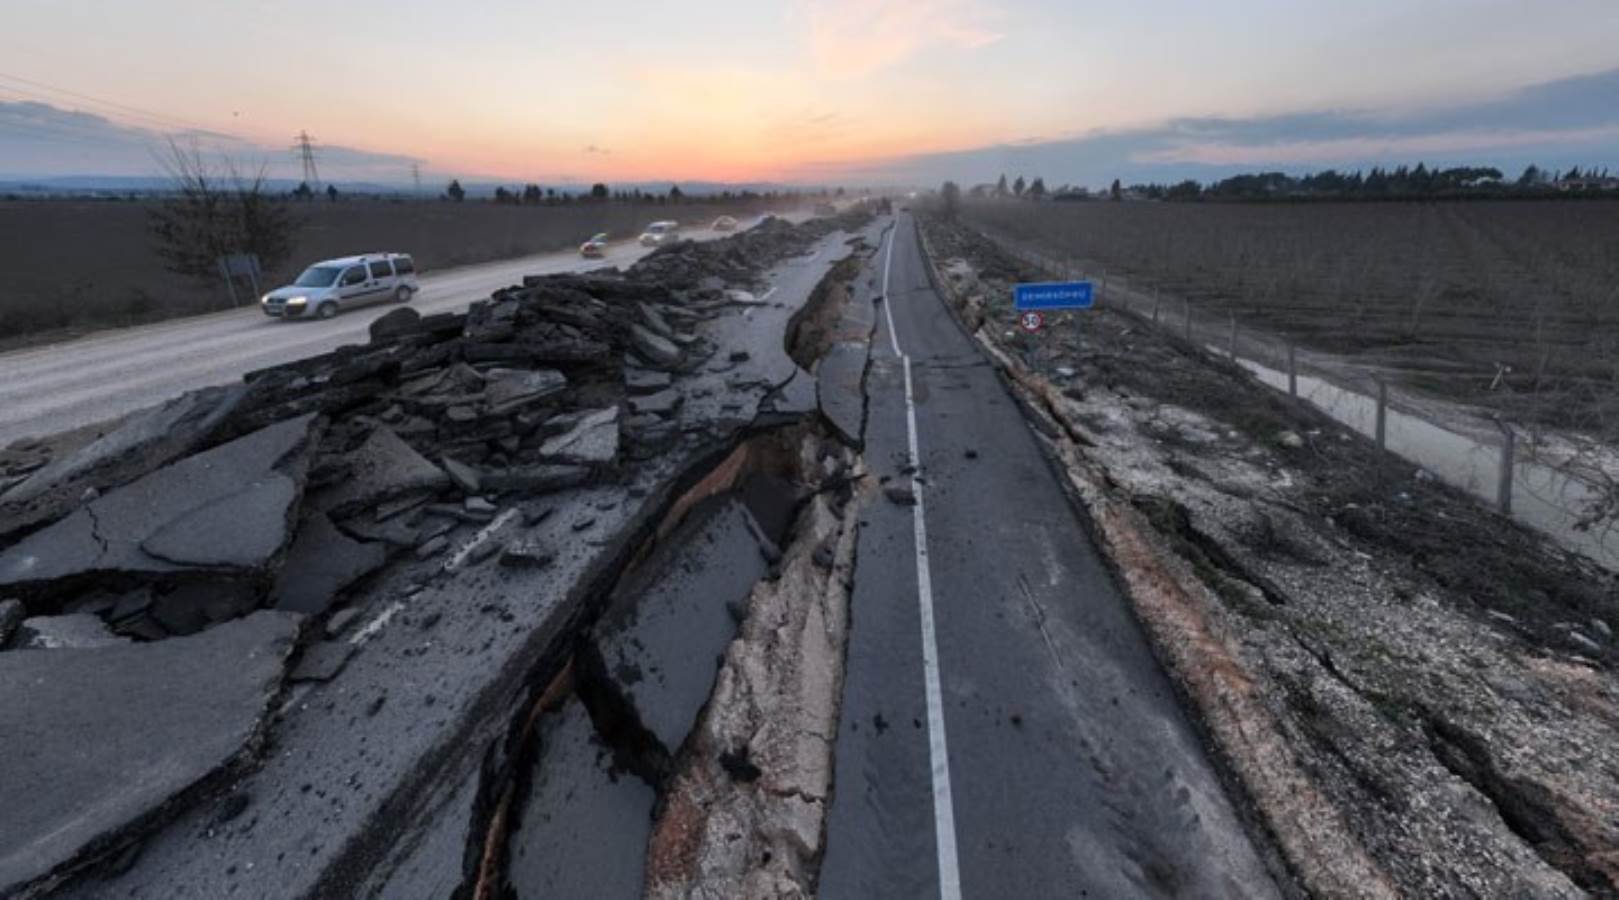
x,y
888,305
944,812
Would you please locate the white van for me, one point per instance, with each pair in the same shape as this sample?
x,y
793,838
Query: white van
x,y
659,233
335,285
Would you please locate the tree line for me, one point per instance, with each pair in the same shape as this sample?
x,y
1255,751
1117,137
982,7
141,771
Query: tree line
x,y
1380,183
1377,183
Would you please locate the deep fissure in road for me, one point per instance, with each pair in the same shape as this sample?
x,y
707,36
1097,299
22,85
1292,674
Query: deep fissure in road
x,y
611,724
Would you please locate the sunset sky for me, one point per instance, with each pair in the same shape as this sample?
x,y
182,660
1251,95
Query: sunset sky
x,y
805,91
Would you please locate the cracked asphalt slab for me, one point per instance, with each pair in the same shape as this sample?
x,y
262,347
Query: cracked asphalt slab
x,y
384,748
1070,768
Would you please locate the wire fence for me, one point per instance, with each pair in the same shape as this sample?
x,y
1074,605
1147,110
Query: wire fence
x,y
1496,464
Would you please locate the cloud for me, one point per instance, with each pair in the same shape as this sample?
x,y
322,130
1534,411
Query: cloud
x,y
39,139
852,38
1573,121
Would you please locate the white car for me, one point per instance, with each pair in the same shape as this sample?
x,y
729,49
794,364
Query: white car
x,y
335,285
724,223
659,233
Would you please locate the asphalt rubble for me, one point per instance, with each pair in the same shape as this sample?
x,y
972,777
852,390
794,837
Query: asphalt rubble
x,y
295,619
1412,695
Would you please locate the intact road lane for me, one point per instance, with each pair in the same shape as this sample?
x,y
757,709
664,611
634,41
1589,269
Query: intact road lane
x,y
1006,730
53,388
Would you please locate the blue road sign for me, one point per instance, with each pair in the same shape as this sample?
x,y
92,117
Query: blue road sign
x,y
1052,295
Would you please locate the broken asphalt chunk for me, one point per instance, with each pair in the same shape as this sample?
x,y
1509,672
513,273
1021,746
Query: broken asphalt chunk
x,y
140,443
465,477
655,320
670,620
121,733
583,827
224,508
645,381
322,562
512,389
526,553
384,468
322,661
663,403
593,441
654,348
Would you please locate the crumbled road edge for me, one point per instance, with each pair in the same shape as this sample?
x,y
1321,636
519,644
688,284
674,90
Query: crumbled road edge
x,y
1394,731
745,814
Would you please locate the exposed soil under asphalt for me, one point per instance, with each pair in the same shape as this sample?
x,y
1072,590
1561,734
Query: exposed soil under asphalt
x,y
1441,681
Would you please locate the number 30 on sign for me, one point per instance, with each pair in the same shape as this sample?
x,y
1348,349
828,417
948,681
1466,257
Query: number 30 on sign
x,y
1031,321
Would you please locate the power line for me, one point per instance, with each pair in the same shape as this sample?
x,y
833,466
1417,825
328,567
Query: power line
x,y
162,120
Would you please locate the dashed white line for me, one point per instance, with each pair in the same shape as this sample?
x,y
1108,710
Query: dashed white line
x,y
944,815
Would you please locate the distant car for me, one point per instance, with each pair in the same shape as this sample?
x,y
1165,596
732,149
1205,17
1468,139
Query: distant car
x,y
659,233
595,247
825,209
725,223
335,285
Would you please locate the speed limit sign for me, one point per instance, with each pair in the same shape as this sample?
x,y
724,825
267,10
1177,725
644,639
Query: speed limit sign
x,y
1031,321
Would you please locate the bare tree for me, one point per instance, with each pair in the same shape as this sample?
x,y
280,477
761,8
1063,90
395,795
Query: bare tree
x,y
214,212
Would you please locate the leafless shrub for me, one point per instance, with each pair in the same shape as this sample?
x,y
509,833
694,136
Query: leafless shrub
x,y
215,211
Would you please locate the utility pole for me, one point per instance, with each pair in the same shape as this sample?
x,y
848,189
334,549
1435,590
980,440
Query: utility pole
x,y
416,176
306,151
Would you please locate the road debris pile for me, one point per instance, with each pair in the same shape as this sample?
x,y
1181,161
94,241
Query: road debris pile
x,y
1414,694
711,268
478,472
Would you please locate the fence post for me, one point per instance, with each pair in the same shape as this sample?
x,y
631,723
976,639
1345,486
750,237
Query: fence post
x,y
1232,352
1382,414
1292,371
1503,490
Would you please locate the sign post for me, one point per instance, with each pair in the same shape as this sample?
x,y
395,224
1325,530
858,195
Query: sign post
x,y
1032,301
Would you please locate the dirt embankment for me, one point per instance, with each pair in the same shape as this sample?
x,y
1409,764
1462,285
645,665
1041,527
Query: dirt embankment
x,y
1416,696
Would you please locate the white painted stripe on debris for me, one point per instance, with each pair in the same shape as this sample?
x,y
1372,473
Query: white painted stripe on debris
x,y
377,624
944,812
479,539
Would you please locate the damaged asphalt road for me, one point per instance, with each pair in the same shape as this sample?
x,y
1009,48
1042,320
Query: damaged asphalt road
x,y
433,515
1054,760
675,582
